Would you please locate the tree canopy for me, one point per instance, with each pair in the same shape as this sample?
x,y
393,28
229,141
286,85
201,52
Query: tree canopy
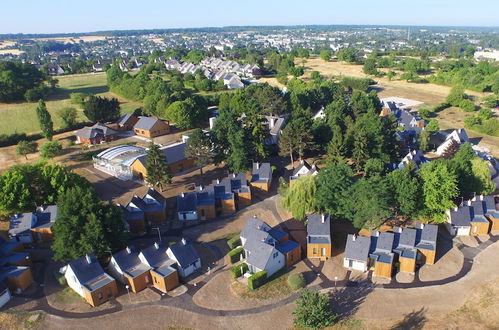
x,y
313,310
158,172
18,80
98,108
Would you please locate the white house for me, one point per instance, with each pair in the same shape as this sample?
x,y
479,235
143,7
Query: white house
x,y
458,135
357,253
5,295
186,257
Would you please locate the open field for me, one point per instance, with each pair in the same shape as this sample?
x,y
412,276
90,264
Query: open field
x,y
73,40
11,51
21,117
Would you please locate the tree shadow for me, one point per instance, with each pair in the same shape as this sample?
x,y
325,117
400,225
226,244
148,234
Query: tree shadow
x,y
345,301
378,89
64,93
412,321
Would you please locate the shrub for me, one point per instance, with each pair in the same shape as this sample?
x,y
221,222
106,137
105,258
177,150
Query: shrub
x,y
235,255
296,281
239,270
26,147
234,242
60,278
11,139
485,114
257,280
467,105
50,149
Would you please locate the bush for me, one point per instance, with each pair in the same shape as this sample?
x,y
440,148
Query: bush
x,y
234,242
60,278
50,149
235,255
257,280
11,139
296,281
26,147
35,94
467,105
239,270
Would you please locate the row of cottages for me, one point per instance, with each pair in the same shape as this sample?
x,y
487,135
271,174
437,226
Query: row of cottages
x,y
266,248
221,197
412,124
319,244
35,226
414,156
407,246
304,169
149,209
96,134
15,269
458,136
158,266
475,217
246,70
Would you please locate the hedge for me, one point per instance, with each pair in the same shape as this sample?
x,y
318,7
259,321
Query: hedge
x,y
257,280
239,270
235,255
60,278
296,281
234,242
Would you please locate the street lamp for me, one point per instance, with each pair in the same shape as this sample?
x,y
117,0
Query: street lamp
x,y
335,279
159,233
128,291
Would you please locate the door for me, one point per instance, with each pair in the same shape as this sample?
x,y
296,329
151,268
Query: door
x,y
323,252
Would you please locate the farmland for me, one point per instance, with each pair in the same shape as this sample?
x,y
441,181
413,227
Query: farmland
x,y
21,117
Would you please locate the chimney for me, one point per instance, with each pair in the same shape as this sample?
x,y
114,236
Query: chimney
x,y
118,205
233,175
89,260
354,237
200,188
218,181
128,250
257,165
156,245
183,195
323,218
184,242
456,208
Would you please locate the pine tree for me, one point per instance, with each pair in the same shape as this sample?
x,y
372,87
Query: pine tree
x,y
158,172
45,121
199,148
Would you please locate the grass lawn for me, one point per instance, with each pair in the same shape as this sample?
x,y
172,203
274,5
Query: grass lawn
x,y
277,287
21,117
20,321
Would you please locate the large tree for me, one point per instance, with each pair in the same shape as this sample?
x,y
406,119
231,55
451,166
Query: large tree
x,y
297,136
98,108
333,183
68,116
24,148
158,172
199,148
45,120
185,114
85,225
18,80
299,198
439,189
313,310
407,192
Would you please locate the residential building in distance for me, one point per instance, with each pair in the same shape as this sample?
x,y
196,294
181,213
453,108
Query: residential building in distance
x,y
96,134
151,127
33,226
127,267
126,122
459,136
261,176
164,275
319,243
304,169
275,125
267,248
415,156
87,278
475,217
15,271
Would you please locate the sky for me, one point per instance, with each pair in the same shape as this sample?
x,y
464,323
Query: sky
x,y
63,16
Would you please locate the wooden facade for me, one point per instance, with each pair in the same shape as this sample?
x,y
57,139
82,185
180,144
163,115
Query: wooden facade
x,y
21,281
293,257
157,217
96,140
428,256
206,212
228,206
42,234
383,270
138,283
139,170
244,198
262,187
101,295
321,251
407,265
159,128
479,228
494,222
165,283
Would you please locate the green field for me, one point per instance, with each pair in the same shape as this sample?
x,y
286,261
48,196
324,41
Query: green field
x,y
21,117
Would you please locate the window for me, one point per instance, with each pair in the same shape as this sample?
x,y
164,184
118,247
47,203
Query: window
x,y
99,295
314,251
475,229
275,255
323,252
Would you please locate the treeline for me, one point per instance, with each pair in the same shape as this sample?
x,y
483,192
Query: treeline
x,y
380,195
22,81
481,77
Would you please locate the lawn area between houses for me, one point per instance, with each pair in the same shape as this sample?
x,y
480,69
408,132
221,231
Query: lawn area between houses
x,y
21,117
20,321
277,286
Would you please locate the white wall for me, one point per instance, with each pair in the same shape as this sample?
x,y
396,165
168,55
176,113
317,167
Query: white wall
x,y
189,216
357,265
116,271
275,264
73,282
5,298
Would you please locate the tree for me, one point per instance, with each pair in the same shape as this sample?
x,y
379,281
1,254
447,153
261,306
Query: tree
x,y
390,74
68,116
333,183
483,182
16,79
439,189
373,167
469,51
299,198
467,105
370,67
45,120
347,55
50,149
158,172
325,55
24,148
86,226
406,190
98,108
370,202
455,96
313,310
238,159
424,140
199,148
185,114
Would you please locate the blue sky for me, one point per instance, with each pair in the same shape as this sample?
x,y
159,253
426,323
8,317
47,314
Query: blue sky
x,y
58,16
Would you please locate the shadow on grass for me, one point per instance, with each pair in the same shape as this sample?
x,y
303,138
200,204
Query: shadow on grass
x,y
346,301
412,321
64,93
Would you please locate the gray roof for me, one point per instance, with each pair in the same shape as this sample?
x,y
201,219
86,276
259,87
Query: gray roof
x,y
123,119
146,123
357,249
461,216
426,236
262,173
385,242
255,229
7,247
319,232
129,262
185,253
187,202
95,131
303,163
407,238
259,253
91,275
153,201
156,254
174,153
20,223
